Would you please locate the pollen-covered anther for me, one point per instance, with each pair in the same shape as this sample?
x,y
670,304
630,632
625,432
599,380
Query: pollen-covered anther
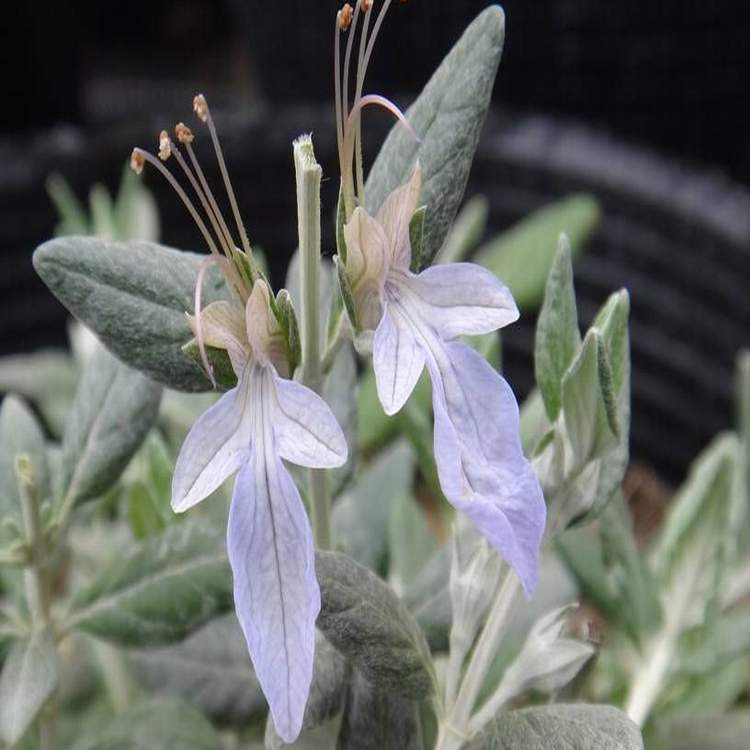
x,y
345,17
165,146
200,107
366,5
183,133
137,161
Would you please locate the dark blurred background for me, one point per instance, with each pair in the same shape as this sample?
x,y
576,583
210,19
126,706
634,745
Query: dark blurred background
x,y
638,102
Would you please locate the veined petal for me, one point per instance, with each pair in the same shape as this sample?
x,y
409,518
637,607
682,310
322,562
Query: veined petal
x,y
215,447
305,430
276,594
263,330
395,216
398,360
366,265
462,298
481,466
223,326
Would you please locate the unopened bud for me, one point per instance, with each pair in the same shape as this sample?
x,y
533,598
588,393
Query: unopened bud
x,y
137,161
165,146
183,133
345,17
200,107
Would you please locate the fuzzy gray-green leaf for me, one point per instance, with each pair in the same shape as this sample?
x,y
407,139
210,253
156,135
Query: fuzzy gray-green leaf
x,y
211,669
113,411
580,726
134,296
363,618
447,118
557,335
28,679
163,590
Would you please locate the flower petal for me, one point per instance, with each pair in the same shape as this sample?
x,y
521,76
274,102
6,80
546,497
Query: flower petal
x,y
305,430
223,326
276,594
481,466
366,265
462,298
215,447
395,216
398,360
263,330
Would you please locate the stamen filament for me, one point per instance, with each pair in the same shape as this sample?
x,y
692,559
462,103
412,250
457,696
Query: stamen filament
x,y
202,197
211,199
348,56
373,37
183,196
228,184
337,89
359,167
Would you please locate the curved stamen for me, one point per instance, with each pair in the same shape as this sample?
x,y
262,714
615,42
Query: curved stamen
x,y
204,113
358,165
204,266
145,155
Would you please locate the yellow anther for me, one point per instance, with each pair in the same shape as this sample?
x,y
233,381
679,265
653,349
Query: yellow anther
x,y
183,133
200,107
137,161
165,146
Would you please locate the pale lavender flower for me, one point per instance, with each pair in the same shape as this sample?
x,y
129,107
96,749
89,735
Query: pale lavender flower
x,y
415,317
264,419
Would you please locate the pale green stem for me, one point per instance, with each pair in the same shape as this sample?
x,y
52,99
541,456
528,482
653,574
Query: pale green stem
x,y
36,580
309,174
454,729
115,674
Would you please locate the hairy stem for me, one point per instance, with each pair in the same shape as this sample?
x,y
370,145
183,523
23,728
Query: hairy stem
x,y
309,174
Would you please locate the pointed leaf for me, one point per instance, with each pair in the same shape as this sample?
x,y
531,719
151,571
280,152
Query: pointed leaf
x,y
134,296
466,232
447,118
28,679
522,256
159,724
365,621
557,335
162,591
114,409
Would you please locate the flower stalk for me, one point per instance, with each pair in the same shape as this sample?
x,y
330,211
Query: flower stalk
x,y
308,174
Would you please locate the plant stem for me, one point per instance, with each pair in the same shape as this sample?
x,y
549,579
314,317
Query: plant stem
x,y
455,727
648,679
309,173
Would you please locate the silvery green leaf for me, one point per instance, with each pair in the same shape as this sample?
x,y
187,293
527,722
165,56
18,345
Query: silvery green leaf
x,y
133,296
340,393
588,402
360,517
210,669
218,359
466,232
578,726
411,542
534,422
743,418
20,434
522,256
429,601
376,719
28,679
144,515
416,238
136,216
723,732
447,118
331,677
46,377
113,411
73,217
156,724
366,622
161,591
549,465
475,574
547,662
692,553
557,335
723,640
